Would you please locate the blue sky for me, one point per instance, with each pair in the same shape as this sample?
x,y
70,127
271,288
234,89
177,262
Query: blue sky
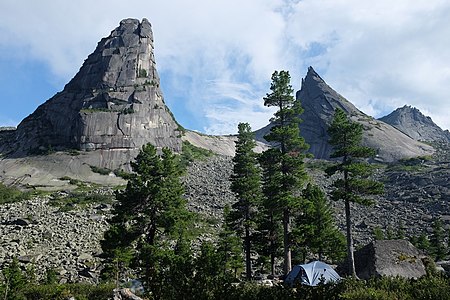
x,y
215,58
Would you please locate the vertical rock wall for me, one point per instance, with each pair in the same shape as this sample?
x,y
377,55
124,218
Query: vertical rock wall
x,y
113,102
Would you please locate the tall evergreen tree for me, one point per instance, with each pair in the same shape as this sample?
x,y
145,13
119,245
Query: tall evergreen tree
x,y
246,184
229,246
289,154
150,214
316,227
354,185
269,228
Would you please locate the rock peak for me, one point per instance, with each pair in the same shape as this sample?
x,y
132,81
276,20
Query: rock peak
x,y
122,59
113,102
411,121
320,101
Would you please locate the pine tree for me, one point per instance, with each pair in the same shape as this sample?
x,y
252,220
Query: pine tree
x,y
423,243
229,246
149,216
289,154
437,246
269,240
400,234
316,225
15,281
354,185
246,184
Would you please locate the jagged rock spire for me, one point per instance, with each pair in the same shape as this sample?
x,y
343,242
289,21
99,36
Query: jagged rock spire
x,y
320,101
113,102
123,59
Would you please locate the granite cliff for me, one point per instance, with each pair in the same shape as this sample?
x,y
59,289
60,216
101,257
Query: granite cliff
x,y
113,102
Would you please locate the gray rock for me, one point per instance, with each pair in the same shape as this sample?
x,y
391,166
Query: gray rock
x,y
21,222
113,102
413,123
24,259
389,258
319,101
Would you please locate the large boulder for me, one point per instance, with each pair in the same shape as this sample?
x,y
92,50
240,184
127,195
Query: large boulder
x,y
389,258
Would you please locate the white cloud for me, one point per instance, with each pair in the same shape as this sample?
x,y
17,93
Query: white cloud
x,y
216,57
381,55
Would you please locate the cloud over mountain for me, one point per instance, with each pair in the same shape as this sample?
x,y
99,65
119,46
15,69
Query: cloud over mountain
x,y
216,57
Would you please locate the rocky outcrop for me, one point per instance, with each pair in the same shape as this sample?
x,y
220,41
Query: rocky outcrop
x,y
413,123
319,101
389,258
113,102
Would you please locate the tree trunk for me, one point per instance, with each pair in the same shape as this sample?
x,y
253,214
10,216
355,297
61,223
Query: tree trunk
x,y
286,242
350,257
248,263
272,263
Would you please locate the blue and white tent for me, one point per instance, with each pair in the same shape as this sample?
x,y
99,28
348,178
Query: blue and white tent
x,y
311,274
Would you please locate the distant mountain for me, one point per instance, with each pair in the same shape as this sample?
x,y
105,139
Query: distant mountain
x,y
319,101
413,123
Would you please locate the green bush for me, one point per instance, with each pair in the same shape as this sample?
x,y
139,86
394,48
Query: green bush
x,y
101,171
191,153
122,174
11,194
79,199
79,291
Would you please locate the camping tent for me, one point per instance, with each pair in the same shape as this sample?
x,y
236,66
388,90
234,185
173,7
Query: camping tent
x,y
311,274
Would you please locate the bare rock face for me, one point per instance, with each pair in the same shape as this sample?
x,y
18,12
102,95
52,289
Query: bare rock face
x,y
319,101
113,102
389,258
413,123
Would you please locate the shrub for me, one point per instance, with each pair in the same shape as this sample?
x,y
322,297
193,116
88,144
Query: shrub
x,y
122,174
101,171
12,194
191,153
79,199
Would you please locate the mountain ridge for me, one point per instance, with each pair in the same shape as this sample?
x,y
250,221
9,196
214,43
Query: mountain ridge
x,y
114,105
319,101
416,125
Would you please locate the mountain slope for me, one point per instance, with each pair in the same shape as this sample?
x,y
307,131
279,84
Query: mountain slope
x,y
413,123
319,101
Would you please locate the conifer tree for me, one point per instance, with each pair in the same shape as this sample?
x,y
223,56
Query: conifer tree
x,y
229,246
316,226
288,155
269,228
423,243
437,246
354,185
150,214
246,184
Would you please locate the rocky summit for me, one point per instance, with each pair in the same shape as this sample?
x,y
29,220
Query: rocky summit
x,y
413,123
114,102
319,101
